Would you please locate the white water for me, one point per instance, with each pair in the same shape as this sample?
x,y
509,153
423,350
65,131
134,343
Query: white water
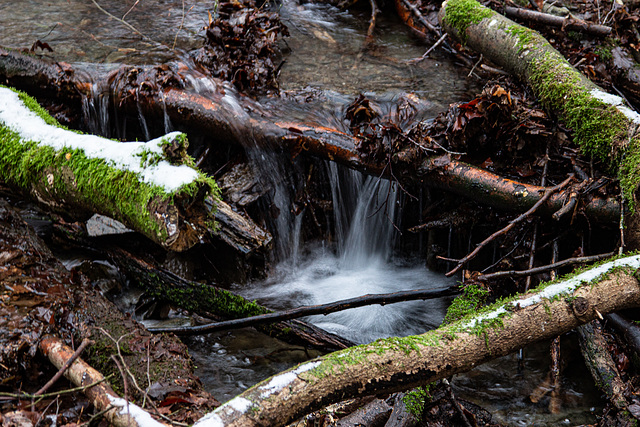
x,y
359,262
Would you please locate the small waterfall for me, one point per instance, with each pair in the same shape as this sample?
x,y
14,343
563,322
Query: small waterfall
x,y
359,262
364,213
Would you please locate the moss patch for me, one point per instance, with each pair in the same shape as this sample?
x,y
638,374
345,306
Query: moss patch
x,y
72,178
459,14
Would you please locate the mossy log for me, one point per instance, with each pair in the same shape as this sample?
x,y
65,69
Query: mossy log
x,y
394,364
208,300
151,187
603,126
594,348
229,118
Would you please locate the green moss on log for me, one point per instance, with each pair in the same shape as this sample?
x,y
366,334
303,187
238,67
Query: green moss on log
x,y
70,177
462,13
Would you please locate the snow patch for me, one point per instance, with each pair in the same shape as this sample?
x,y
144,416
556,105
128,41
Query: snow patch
x,y
210,420
279,382
214,419
617,102
122,155
141,416
559,288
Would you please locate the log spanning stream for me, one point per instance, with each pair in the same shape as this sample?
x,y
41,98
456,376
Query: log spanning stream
x,y
326,54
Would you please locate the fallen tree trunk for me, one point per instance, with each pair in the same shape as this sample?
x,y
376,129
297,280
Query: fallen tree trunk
x,y
207,300
604,128
395,364
149,187
309,310
221,114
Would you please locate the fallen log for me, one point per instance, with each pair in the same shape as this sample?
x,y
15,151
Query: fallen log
x,y
114,409
208,300
606,376
395,364
150,187
567,23
228,117
324,309
603,126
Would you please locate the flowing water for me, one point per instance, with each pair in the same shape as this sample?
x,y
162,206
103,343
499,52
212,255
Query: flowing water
x,y
325,54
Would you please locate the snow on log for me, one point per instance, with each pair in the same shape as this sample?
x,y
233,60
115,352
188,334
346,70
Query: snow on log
x,y
152,187
604,127
394,364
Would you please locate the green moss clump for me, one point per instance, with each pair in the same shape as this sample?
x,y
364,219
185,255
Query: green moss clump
x,y
472,298
459,14
416,398
68,175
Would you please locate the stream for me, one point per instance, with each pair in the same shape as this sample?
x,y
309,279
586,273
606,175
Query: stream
x,y
325,53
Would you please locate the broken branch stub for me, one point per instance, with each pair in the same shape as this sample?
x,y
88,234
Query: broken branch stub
x,y
151,187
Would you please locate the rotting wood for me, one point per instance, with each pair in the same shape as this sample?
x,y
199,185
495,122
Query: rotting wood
x,y
630,331
401,363
295,313
600,363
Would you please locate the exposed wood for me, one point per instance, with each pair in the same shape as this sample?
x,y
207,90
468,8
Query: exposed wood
x,y
238,231
394,364
310,310
116,410
567,23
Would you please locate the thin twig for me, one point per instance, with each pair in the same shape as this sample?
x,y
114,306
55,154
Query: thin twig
x,y
543,199
381,299
52,394
63,369
426,54
544,268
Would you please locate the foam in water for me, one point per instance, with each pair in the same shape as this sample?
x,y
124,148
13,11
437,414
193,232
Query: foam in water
x,y
365,210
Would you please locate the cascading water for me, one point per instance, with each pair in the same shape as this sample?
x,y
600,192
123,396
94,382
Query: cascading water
x,y
360,262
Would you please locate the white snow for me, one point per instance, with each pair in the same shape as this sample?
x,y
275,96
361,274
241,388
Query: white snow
x,y
122,155
617,102
559,288
141,416
279,382
213,419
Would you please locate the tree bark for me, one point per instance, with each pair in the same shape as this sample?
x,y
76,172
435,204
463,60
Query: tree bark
x,y
207,300
225,117
401,363
78,175
604,128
